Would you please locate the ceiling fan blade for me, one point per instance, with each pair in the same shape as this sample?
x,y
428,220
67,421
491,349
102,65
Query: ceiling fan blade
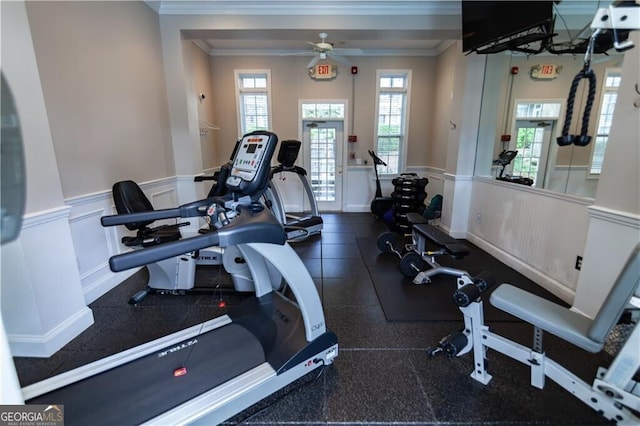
x,y
339,58
313,62
299,53
347,52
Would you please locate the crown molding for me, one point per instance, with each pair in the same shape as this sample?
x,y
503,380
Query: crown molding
x,y
284,52
305,7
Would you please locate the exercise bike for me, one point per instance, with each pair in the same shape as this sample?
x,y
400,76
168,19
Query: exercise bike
x,y
177,275
379,205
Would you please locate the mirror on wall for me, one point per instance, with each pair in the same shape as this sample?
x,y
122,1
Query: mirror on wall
x,y
523,109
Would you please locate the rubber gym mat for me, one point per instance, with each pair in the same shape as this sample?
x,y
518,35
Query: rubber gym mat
x,y
401,300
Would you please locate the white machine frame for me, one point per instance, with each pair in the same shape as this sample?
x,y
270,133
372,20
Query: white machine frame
x,y
614,393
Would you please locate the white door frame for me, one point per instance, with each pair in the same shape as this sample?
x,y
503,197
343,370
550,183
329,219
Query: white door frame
x,y
557,122
345,131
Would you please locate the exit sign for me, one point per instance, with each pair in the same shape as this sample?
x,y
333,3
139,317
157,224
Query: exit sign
x,y
323,72
545,71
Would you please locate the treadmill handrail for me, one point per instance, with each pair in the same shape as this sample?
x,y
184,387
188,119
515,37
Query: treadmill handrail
x,y
195,208
122,262
293,169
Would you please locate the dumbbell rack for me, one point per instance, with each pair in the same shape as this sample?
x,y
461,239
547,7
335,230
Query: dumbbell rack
x,y
408,196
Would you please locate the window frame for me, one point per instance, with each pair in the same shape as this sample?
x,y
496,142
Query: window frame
x,y
240,74
606,90
406,74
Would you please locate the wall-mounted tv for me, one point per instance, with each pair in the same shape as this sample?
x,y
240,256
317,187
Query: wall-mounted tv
x,y
488,22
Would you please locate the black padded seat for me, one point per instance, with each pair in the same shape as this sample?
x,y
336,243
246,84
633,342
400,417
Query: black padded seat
x,y
450,244
129,198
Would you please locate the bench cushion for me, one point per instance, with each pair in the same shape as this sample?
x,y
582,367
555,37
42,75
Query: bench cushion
x,y
548,316
457,250
434,234
415,218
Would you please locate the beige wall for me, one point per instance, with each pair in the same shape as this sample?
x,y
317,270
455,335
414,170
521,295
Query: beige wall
x,y
442,112
102,76
291,82
202,80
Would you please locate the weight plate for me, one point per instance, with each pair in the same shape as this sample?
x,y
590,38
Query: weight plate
x,y
411,263
388,242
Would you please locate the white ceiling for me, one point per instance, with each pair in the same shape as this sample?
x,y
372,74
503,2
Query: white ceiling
x,y
377,27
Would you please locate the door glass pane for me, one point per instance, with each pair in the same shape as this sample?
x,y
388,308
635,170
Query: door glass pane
x,y
323,163
529,146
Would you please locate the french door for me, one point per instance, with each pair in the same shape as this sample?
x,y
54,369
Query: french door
x,y
533,139
323,161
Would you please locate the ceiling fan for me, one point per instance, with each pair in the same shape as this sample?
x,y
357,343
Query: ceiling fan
x,y
323,50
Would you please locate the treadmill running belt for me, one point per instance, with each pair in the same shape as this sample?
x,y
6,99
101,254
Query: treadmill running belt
x,y
144,388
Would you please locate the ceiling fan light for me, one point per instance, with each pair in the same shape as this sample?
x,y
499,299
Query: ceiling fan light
x,y
323,55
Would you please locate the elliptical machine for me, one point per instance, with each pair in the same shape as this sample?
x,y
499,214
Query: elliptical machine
x,y
301,227
379,205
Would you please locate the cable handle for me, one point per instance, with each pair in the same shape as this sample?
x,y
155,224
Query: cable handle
x,y
583,139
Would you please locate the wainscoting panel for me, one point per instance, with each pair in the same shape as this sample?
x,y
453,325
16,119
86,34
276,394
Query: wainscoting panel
x,y
361,186
43,307
537,232
94,244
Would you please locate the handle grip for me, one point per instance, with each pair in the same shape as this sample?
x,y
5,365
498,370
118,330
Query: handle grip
x,y
145,256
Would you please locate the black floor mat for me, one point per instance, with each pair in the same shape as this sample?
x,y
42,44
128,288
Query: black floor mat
x,y
402,300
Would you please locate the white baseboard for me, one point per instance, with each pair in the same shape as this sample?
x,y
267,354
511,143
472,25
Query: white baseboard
x,y
108,281
43,346
357,208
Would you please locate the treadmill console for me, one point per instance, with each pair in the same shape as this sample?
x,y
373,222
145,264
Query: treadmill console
x,y
250,172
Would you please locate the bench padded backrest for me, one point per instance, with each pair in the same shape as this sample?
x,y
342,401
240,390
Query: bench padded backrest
x,y
617,299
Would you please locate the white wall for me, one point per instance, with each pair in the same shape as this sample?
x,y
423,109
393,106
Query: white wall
x,y
41,297
614,227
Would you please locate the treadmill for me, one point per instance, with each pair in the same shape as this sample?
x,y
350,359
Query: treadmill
x,y
298,228
209,372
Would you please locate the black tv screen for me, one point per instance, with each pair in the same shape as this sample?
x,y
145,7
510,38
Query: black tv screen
x,y
484,22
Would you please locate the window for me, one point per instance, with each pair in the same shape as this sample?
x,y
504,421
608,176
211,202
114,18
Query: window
x,y
392,95
610,86
254,99
322,110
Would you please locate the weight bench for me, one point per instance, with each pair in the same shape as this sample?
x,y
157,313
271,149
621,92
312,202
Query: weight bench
x,y
615,392
423,232
416,257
